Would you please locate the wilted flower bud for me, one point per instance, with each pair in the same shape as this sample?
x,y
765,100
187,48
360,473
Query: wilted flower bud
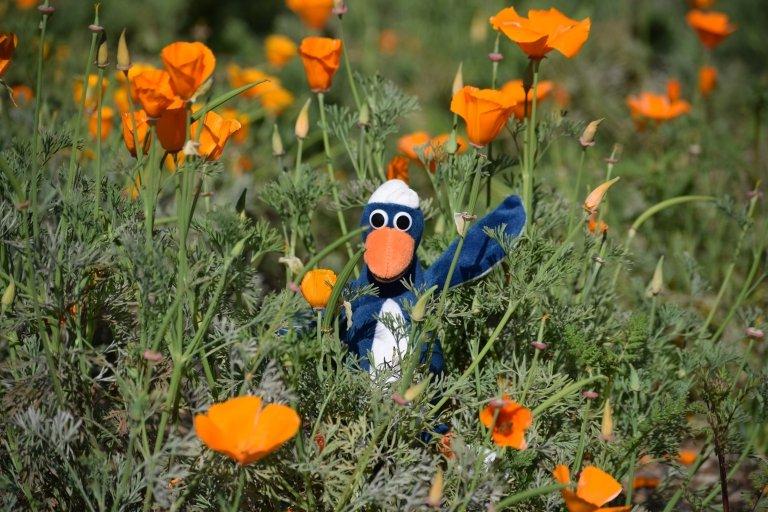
x,y
277,142
8,295
293,263
462,220
587,138
592,203
123,55
302,122
657,281
364,117
190,148
417,313
458,80
606,427
751,332
347,312
435,497
413,392
102,56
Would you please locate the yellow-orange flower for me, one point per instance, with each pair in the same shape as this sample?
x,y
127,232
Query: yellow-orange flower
x,y
91,92
435,152
542,31
508,421
8,43
242,134
711,26
279,50
26,4
596,226
245,430
707,80
321,57
276,99
107,121
22,94
141,120
645,482
239,77
594,489
314,13
686,457
674,90
317,285
172,127
656,107
189,65
216,132
152,88
412,143
523,103
397,168
485,112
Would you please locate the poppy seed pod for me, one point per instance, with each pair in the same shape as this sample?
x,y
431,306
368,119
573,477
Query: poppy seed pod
x,y
123,54
302,122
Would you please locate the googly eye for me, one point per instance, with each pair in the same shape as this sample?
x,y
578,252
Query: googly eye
x,y
378,219
403,221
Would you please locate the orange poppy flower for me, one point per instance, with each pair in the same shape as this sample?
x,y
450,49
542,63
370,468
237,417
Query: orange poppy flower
x,y
656,107
141,120
317,285
523,104
511,422
314,13
279,50
397,168
411,144
231,113
216,132
152,88
245,430
388,41
172,127
8,43
26,4
239,77
542,31
711,27
645,482
22,94
321,57
91,92
276,99
674,90
189,66
596,226
594,489
707,80
485,112
107,120
686,457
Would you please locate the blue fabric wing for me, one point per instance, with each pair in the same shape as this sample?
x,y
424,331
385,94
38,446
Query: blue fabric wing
x,y
480,252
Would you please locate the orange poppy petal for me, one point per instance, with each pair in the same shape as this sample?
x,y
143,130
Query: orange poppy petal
x,y
276,425
596,486
562,474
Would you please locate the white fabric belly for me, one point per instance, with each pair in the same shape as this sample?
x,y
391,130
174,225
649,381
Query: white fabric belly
x,y
389,347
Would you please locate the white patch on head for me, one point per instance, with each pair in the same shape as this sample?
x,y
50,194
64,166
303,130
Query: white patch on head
x,y
395,192
389,347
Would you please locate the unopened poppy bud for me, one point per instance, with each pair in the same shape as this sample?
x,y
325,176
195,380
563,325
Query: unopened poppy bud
x,y
364,117
123,54
528,77
102,56
413,392
277,142
495,57
302,122
452,145
458,80
751,332
592,203
347,312
8,295
657,281
462,220
435,497
606,427
293,263
589,394
587,138
237,250
417,313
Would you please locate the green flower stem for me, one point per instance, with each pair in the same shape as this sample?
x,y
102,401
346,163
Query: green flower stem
x,y
567,390
36,125
650,212
348,67
530,146
494,79
97,200
329,168
471,209
528,494
534,363
731,266
577,190
81,107
237,498
582,437
630,478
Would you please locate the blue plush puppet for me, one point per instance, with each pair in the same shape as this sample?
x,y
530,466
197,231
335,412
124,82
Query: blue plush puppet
x,y
378,334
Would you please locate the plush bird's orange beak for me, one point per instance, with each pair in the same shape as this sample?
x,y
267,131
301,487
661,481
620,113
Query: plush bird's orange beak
x,y
388,253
